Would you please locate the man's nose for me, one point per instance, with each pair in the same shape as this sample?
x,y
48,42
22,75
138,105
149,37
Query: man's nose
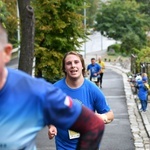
x,y
72,64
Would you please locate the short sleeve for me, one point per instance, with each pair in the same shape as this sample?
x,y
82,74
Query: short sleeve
x,y
60,110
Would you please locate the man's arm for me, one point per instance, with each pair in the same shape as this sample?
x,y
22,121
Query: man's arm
x,y
91,130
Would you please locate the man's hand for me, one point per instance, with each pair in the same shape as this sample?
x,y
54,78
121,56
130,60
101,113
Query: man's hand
x,y
104,118
52,131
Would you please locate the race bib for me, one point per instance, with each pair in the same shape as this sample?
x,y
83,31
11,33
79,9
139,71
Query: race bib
x,y
94,79
73,134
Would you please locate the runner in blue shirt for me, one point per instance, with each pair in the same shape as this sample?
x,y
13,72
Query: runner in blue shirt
x,y
94,70
82,91
29,104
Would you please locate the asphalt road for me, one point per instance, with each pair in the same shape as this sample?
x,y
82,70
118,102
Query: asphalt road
x,y
117,135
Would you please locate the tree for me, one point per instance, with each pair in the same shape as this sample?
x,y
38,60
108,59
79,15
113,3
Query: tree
x,y
3,13
117,19
129,42
9,14
91,11
144,8
27,36
58,29
143,55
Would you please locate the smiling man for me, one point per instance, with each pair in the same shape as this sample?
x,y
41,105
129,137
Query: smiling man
x,y
84,92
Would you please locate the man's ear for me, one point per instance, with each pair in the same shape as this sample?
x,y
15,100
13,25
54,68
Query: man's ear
x,y
7,51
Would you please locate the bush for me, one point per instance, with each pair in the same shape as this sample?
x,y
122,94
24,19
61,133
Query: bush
x,y
115,48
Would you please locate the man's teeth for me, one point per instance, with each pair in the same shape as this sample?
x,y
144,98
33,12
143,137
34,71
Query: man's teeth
x,y
74,71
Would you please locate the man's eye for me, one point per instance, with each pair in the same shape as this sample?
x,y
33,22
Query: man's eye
x,y
76,62
68,63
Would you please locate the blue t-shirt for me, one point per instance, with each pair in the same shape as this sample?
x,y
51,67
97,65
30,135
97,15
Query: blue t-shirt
x,y
94,68
142,92
27,105
89,95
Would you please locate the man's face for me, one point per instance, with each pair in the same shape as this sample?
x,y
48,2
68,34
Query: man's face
x,y
73,66
93,61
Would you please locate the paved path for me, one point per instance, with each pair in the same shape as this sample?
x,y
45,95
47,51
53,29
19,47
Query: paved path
x,y
140,121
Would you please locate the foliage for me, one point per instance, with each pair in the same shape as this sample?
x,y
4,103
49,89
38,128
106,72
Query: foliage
x,y
58,28
123,21
10,20
143,55
148,41
91,11
144,6
144,9
115,47
131,41
49,64
3,13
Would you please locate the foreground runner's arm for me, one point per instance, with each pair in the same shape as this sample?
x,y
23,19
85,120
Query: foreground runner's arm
x,y
75,116
91,134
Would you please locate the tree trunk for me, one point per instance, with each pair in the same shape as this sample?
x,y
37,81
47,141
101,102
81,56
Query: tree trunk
x,y
27,24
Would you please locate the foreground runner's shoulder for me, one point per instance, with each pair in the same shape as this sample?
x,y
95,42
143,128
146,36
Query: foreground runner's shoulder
x,y
62,111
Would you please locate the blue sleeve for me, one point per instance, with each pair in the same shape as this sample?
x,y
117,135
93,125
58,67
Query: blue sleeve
x,y
101,104
88,67
60,109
